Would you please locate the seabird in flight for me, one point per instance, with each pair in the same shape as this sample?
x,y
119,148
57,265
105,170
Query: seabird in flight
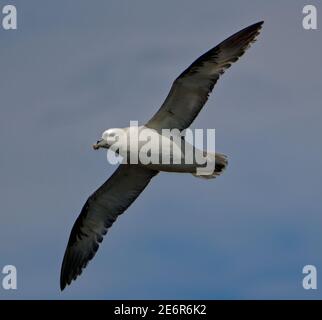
x,y
188,94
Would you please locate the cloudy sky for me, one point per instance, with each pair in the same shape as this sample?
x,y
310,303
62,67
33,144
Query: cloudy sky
x,y
75,68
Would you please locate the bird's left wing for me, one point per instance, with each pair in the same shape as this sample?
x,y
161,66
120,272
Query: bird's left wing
x,y
98,214
191,89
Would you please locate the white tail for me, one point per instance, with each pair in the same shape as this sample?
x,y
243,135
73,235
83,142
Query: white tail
x,y
221,162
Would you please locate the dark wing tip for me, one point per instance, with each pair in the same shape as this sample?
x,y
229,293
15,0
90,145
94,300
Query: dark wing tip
x,y
74,262
257,27
70,270
76,258
62,284
248,33
259,23
239,42
254,26
64,274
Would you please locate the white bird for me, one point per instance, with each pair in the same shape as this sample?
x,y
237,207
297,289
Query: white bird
x,y
187,96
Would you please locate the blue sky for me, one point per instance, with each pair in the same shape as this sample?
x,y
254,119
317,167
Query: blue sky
x,y
75,68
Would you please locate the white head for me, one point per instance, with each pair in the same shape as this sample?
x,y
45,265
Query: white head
x,y
109,137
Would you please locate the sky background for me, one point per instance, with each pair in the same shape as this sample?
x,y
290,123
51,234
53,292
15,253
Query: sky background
x,y
76,68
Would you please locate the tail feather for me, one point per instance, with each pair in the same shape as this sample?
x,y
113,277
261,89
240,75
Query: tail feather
x,y
221,162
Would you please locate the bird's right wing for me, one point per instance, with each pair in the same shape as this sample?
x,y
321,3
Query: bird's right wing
x,y
98,214
191,89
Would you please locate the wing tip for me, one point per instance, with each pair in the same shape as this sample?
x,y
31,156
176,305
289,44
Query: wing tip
x,y
256,25
253,28
63,281
260,23
67,275
63,278
62,285
244,38
72,267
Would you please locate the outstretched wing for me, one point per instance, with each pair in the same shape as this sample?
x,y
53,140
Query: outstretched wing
x,y
191,89
98,214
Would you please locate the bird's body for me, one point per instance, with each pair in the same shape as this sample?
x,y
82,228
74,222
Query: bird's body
x,y
186,98
169,151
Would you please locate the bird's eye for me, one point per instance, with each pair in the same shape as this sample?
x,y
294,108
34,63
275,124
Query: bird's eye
x,y
112,134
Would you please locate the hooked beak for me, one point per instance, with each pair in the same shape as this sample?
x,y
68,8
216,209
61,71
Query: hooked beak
x,y
99,144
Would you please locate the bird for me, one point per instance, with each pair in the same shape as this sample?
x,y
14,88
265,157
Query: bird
x,y
188,94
